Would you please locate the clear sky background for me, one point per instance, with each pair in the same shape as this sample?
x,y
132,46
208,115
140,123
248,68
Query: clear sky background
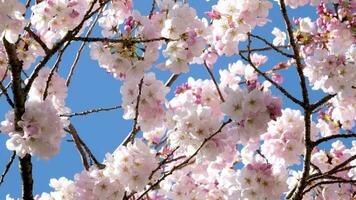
x,y
93,87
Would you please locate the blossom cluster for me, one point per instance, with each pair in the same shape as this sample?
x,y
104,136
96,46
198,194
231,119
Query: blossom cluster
x,y
330,58
193,115
260,180
12,21
251,110
127,171
131,57
188,32
224,138
283,142
152,98
52,19
38,136
233,19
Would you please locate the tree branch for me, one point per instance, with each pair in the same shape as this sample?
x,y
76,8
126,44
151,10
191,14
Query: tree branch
x,y
272,46
131,136
171,80
7,167
79,52
19,110
215,83
186,161
38,40
96,110
8,99
73,132
325,139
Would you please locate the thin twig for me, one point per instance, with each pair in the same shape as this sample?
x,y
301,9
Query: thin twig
x,y
215,83
153,6
322,101
7,167
6,88
171,80
272,46
264,49
163,162
87,112
186,161
327,182
280,88
8,99
75,137
127,41
80,50
54,69
328,138
131,136
91,155
38,40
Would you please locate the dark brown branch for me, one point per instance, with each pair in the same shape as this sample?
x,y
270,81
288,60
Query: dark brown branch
x,y
280,88
91,155
322,101
153,6
263,49
127,41
171,80
96,110
298,194
325,139
8,98
277,49
186,161
215,83
38,40
6,88
54,68
328,182
73,132
19,110
7,167
135,129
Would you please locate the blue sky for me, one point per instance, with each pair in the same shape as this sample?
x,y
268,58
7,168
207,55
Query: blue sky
x,y
92,87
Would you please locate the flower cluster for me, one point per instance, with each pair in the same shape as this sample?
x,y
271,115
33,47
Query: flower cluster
x,y
283,142
12,21
233,19
152,99
56,91
258,180
38,136
127,170
194,115
203,181
251,110
137,51
52,19
114,16
182,25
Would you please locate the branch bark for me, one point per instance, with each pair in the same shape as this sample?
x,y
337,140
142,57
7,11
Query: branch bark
x,y
19,109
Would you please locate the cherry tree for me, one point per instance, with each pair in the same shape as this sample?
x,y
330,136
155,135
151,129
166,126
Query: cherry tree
x,y
226,137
